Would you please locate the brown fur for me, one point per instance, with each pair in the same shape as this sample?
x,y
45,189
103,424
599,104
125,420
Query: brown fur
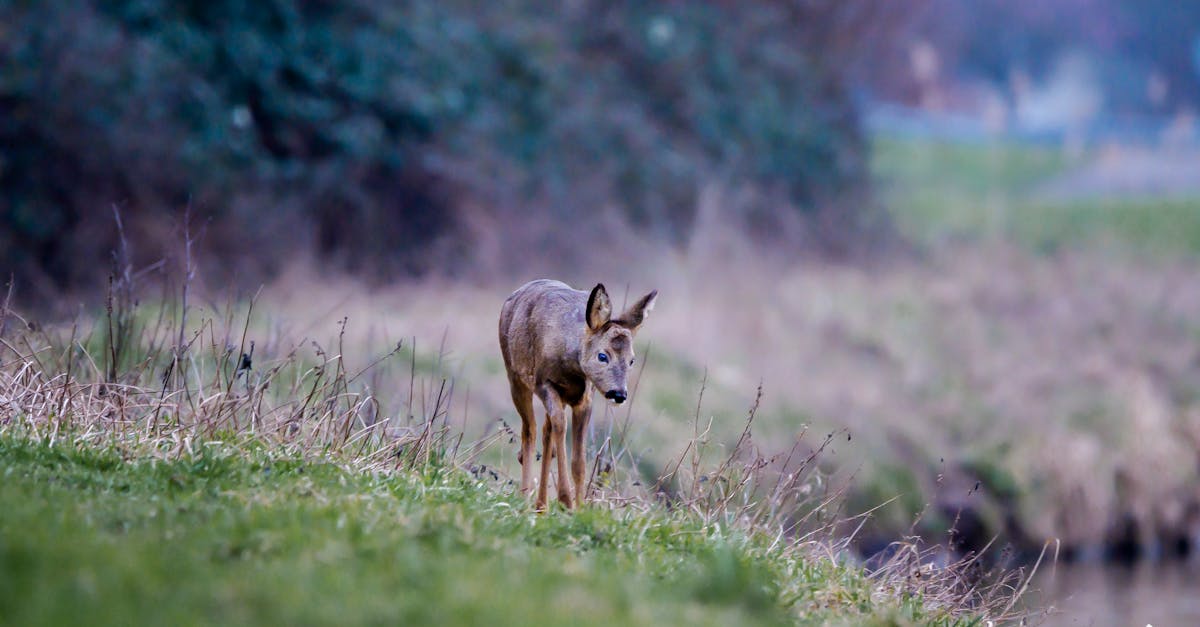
x,y
551,337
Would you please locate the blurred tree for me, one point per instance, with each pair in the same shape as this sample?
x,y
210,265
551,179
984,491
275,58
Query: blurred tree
x,y
360,128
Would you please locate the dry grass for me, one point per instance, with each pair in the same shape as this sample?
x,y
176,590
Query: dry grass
x,y
1061,382
160,381
1066,377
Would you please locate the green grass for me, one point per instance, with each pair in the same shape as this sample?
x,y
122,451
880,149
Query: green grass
x,y
938,191
971,167
944,191
238,535
1149,226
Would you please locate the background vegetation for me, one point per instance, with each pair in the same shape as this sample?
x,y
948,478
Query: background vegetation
x,y
148,482
946,249
382,136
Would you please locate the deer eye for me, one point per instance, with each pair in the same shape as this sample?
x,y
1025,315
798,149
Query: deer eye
x,y
631,360
603,357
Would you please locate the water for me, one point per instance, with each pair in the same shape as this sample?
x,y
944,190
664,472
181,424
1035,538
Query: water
x,y
1102,595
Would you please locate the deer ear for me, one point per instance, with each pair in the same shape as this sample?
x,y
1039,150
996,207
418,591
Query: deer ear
x,y
599,308
636,315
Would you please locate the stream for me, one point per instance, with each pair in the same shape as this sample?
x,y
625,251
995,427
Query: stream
x,y
1163,594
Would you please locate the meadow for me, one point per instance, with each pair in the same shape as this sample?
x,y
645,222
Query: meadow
x,y
205,464
1012,383
1025,361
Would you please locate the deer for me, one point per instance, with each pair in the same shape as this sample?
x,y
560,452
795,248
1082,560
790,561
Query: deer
x,y
561,345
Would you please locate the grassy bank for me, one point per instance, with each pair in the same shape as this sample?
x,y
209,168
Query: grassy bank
x,y
1041,382
236,535
178,487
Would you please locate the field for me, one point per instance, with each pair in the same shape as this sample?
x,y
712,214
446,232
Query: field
x,y
148,484
944,193
1020,370
1028,359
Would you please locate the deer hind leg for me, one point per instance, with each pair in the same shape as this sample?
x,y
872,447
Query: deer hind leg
x,y
523,399
552,448
580,415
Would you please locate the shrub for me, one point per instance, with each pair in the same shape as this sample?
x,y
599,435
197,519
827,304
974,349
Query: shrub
x,y
362,129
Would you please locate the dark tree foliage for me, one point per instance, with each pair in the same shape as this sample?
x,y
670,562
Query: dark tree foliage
x,y
359,129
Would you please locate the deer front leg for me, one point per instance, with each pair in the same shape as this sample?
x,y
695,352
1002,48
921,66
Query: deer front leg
x,y
580,415
552,445
565,495
544,480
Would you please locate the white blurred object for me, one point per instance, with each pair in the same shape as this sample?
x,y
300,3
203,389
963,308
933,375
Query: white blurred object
x,y
1067,101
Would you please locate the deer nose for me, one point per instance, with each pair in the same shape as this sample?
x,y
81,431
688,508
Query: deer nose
x,y
616,396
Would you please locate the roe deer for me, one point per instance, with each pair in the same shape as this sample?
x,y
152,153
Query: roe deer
x,y
559,343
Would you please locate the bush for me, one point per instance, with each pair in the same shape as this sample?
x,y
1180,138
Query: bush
x,y
362,129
